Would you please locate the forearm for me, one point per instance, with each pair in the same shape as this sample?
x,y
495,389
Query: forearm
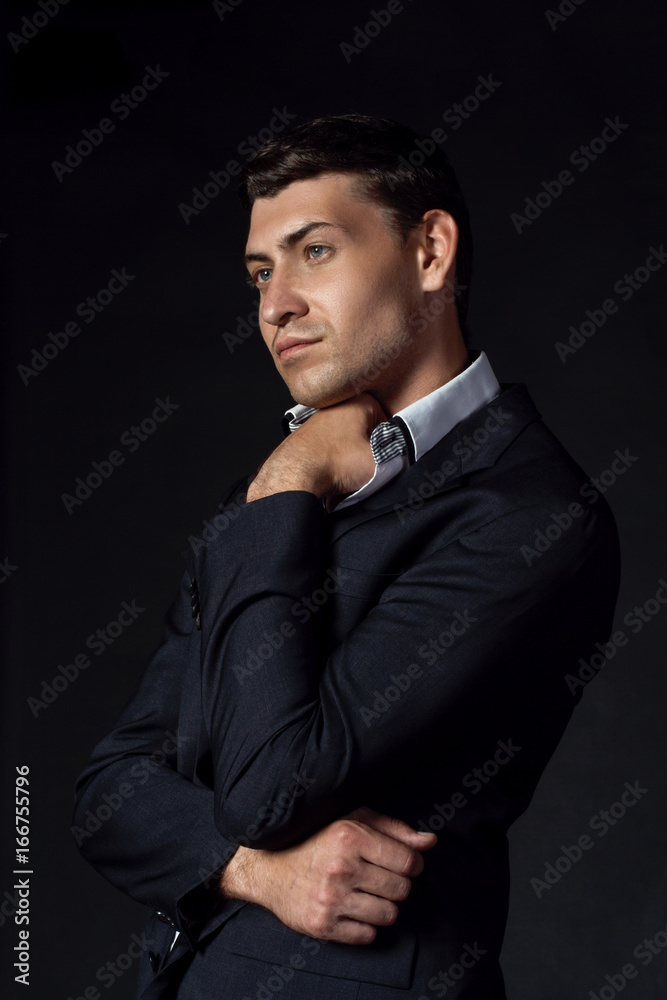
x,y
271,479
283,564
292,748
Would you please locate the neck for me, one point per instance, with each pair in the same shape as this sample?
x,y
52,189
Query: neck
x,y
433,371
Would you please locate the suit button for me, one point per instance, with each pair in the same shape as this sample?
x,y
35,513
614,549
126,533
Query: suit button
x,y
164,918
194,601
154,960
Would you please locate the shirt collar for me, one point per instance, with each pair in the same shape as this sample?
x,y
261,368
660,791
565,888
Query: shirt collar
x,y
428,419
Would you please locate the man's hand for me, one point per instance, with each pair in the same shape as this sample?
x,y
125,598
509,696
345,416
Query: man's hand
x,y
329,455
338,885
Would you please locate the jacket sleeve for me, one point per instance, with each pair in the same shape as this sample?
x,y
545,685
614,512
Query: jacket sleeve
x,y
295,740
146,828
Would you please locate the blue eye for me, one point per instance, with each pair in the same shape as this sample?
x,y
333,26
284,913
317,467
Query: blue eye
x,y
253,280
314,252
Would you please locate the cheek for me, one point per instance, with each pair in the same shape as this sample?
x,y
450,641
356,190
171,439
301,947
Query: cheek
x,y
360,301
343,297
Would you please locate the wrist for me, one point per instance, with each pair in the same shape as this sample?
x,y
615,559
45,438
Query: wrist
x,y
296,464
244,876
235,876
267,482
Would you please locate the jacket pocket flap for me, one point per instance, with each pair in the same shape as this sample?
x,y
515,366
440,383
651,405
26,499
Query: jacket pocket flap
x,y
258,934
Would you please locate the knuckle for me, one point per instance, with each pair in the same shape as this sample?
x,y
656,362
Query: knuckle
x,y
357,813
404,889
327,898
318,924
417,865
345,833
336,868
390,914
409,860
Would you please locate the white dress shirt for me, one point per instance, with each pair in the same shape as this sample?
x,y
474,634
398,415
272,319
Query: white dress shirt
x,y
414,430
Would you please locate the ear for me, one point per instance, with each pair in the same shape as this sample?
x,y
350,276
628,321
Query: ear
x,y
438,237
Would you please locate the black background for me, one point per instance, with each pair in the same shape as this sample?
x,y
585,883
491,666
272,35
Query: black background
x,y
163,336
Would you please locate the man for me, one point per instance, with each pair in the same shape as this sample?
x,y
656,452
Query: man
x,y
378,636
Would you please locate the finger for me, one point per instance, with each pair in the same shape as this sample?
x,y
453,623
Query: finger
x,y
382,882
386,852
396,828
368,909
352,932
400,854
375,406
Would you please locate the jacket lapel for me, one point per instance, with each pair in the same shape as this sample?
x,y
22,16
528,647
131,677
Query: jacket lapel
x,y
475,443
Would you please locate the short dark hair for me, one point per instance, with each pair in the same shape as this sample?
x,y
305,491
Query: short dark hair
x,y
400,175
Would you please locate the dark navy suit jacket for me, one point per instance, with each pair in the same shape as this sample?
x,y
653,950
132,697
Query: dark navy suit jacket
x,y
409,652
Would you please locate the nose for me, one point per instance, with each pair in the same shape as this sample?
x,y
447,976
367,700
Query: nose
x,y
281,301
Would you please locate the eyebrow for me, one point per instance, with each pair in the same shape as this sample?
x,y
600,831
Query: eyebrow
x,y
291,239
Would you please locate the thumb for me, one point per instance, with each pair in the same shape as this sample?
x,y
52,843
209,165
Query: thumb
x,y
396,828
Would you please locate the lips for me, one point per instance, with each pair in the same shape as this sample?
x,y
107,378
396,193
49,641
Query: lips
x,y
288,346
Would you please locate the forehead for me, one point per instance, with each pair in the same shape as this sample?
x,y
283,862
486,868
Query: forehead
x,y
332,198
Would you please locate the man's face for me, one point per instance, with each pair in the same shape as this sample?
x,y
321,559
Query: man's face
x,y
334,284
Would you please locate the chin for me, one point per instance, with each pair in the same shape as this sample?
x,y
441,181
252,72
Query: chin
x,y
320,402
319,398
